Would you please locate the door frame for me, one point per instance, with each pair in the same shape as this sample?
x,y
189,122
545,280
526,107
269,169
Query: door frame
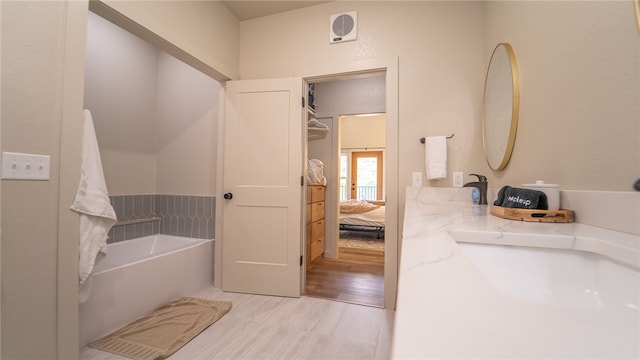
x,y
392,228
391,170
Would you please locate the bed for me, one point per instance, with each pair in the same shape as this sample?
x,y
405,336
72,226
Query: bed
x,y
361,215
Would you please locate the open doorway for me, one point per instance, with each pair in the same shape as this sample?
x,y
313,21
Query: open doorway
x,y
362,181
353,264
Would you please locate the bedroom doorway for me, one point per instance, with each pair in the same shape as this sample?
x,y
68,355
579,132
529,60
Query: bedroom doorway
x,y
367,89
356,274
362,157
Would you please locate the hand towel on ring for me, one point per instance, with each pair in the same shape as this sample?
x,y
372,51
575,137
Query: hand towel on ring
x,y
436,157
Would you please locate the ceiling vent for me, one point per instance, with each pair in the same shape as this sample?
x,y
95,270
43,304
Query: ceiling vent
x,y
343,27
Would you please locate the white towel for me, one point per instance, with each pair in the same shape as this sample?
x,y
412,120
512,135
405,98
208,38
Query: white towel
x,y
92,202
436,157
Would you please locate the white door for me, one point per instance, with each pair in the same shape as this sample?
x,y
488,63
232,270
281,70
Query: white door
x,y
263,165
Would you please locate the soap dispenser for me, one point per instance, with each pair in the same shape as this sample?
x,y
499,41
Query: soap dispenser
x,y
480,186
475,196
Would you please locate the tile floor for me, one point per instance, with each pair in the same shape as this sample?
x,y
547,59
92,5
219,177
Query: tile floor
x,y
269,327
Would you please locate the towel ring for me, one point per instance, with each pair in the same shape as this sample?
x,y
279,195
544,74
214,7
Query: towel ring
x,y
422,140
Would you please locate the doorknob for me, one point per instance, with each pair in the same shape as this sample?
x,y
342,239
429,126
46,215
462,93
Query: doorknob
x,y
228,196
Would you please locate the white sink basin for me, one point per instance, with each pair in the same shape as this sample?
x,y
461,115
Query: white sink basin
x,y
559,275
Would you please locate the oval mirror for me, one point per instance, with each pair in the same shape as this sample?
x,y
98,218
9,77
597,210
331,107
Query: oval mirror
x,y
501,106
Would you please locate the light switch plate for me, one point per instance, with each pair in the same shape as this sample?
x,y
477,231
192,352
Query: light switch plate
x,y
458,179
20,166
416,179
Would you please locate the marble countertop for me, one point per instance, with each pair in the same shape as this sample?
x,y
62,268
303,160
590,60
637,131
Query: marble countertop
x,y
446,308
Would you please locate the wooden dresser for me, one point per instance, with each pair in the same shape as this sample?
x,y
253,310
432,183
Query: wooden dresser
x,y
315,223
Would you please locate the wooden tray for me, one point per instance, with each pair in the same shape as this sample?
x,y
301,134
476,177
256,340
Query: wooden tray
x,y
545,216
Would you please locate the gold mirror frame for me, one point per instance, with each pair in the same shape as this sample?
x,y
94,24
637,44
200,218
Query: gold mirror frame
x,y
502,100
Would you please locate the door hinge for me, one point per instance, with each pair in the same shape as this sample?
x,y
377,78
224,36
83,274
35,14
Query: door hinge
x,y
300,260
301,180
303,102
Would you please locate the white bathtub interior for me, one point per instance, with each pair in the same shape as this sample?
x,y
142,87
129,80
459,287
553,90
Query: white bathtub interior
x,y
140,275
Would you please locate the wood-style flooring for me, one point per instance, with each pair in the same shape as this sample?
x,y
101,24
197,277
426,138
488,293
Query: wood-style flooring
x,y
270,327
357,276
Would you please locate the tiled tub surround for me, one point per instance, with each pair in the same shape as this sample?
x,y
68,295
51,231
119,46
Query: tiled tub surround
x,y
448,307
178,215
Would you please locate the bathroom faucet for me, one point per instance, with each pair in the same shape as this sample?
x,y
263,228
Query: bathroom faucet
x,y
481,185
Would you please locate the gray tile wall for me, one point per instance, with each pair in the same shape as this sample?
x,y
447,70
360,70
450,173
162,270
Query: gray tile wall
x,y
190,216
179,215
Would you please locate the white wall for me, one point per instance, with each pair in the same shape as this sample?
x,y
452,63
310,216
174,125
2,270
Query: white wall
x,y
202,32
579,79
360,132
187,129
31,104
41,107
441,66
579,67
155,116
120,91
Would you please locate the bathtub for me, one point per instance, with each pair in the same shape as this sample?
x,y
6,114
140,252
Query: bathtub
x,y
138,276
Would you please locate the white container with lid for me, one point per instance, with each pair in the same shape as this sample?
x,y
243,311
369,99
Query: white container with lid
x,y
551,190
